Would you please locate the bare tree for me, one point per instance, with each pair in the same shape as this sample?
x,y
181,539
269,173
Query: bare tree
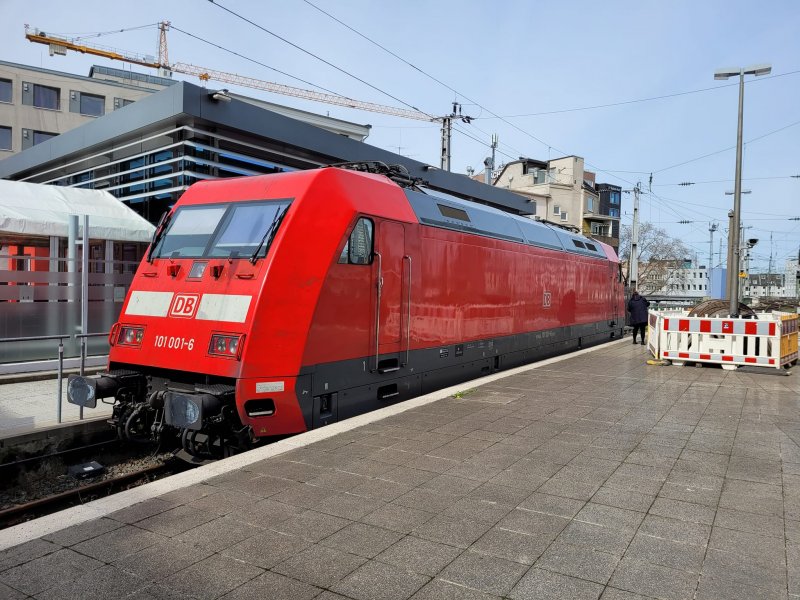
x,y
661,258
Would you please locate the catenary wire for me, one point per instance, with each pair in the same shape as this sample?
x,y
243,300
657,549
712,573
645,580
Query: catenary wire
x,y
495,115
638,100
330,64
253,60
750,141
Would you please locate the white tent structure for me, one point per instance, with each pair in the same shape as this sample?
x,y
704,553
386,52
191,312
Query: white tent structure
x,y
32,210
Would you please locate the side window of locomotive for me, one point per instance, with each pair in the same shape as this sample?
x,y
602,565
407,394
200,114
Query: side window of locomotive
x,y
358,249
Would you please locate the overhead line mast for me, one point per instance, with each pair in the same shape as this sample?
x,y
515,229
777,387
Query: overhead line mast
x,y
59,45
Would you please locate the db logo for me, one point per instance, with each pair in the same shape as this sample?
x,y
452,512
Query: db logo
x,y
184,306
547,299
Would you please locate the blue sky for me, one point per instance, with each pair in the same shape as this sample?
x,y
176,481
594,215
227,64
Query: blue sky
x,y
516,58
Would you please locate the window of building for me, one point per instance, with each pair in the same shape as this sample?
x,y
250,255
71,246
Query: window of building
x,y
589,203
45,96
358,249
42,136
613,197
564,215
92,105
556,209
5,90
5,138
613,212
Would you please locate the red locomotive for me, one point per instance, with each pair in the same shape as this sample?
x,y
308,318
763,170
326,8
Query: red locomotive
x,y
275,304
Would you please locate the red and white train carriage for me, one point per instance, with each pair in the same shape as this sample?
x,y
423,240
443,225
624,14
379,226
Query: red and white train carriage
x,y
271,305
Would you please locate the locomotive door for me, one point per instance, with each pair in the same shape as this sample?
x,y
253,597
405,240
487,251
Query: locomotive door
x,y
390,284
613,311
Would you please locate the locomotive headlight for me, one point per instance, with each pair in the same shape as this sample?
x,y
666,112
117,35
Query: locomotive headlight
x,y
130,336
225,345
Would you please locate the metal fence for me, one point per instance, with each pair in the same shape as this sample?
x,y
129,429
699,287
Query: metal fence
x,y
72,299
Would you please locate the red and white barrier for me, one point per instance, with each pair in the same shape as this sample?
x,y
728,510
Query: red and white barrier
x,y
725,341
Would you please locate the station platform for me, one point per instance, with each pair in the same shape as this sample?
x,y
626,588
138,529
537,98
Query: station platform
x,y
589,476
29,403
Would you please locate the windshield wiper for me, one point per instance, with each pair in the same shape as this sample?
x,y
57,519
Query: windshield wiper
x,y
269,234
161,229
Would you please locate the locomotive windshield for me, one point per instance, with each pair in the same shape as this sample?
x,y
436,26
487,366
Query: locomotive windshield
x,y
236,229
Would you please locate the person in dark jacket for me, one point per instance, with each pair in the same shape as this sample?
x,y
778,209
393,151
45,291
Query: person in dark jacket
x,y
637,306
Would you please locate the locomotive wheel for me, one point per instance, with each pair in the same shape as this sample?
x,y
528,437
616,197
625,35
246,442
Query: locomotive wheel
x,y
136,426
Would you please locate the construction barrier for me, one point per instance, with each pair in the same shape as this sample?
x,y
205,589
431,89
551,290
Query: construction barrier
x,y
770,340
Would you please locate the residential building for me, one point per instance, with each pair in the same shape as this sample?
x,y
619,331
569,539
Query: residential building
x,y
792,280
38,104
674,279
562,191
765,285
611,205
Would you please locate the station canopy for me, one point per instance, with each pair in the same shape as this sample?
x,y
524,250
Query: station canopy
x,y
30,211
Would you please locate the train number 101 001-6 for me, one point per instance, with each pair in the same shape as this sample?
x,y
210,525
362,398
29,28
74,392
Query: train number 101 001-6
x,y
174,342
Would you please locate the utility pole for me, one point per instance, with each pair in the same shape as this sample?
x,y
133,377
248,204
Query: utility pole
x,y
634,268
489,162
769,275
712,227
730,289
447,133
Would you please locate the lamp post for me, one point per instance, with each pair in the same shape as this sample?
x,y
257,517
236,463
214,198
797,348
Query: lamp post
x,y
733,270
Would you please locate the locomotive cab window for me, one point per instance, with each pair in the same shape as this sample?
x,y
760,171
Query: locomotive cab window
x,y
358,248
230,230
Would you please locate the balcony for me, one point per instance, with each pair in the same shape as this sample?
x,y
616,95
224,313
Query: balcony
x,y
611,241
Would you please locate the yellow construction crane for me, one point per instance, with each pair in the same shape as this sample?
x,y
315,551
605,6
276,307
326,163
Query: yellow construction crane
x,y
59,45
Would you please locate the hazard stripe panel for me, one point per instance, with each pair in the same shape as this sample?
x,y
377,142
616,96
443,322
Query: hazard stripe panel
x,y
755,360
720,326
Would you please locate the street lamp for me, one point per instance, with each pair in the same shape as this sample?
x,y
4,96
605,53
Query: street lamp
x,y
733,281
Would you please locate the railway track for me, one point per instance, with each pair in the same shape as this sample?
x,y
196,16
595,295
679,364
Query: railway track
x,y
85,493
34,486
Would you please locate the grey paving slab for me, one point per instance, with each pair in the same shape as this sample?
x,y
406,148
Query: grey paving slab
x,y
596,476
539,584
273,585
212,577
117,543
438,589
45,572
379,581
655,581
320,566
